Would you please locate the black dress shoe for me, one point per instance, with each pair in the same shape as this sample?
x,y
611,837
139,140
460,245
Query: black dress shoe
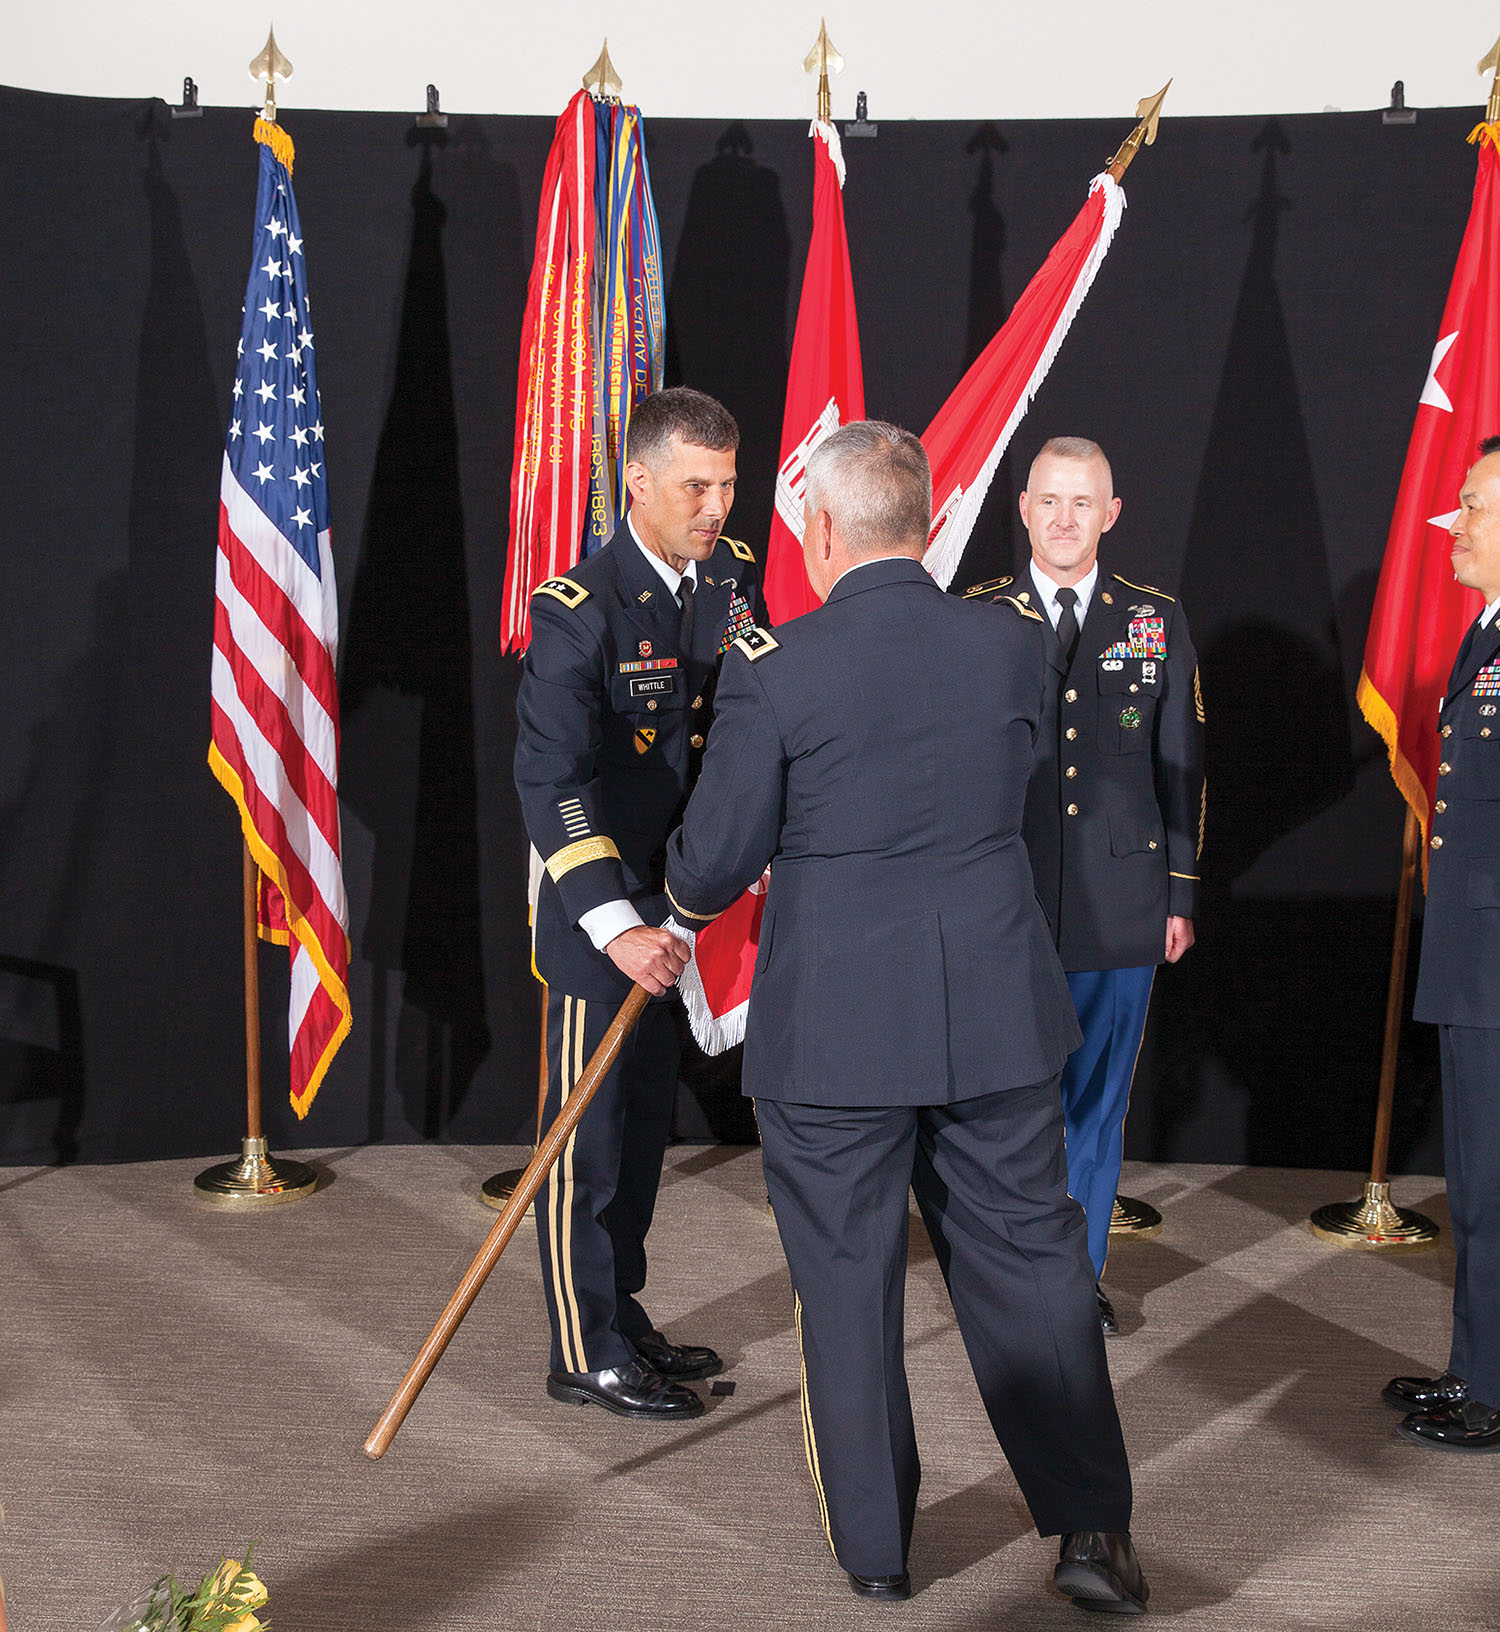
x,y
1425,1393
892,1588
1467,1427
1109,1322
1098,1569
631,1390
677,1361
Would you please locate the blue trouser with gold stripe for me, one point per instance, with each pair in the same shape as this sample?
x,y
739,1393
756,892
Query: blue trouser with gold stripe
x,y
593,1213
990,1178
1470,1057
1112,1006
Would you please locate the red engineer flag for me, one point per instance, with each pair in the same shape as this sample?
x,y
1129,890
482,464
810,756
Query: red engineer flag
x,y
1421,610
275,706
825,382
974,427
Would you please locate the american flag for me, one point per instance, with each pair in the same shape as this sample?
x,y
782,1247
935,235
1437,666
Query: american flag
x,y
275,695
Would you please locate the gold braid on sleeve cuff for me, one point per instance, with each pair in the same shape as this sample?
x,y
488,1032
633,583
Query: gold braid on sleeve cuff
x,y
697,917
577,855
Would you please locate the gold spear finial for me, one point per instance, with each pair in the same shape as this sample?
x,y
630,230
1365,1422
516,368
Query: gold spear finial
x,y
603,79
823,60
270,66
1490,63
1148,111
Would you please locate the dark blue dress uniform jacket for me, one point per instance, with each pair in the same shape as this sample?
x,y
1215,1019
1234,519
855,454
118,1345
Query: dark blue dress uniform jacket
x,y
876,752
1459,980
1114,819
613,710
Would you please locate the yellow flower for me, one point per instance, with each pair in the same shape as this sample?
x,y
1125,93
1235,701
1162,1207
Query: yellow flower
x,y
250,1593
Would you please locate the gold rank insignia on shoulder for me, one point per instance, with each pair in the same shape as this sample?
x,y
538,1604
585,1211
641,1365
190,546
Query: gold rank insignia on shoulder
x,y
1024,610
988,587
756,642
741,552
1145,589
564,590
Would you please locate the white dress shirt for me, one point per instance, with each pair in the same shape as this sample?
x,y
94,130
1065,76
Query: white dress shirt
x,y
1047,589
602,923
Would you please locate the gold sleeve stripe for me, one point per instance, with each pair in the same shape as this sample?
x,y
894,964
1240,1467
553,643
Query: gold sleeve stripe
x,y
580,854
697,917
1193,876
1198,695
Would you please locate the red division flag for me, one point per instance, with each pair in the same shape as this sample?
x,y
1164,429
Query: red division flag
x,y
549,480
1421,611
825,383
275,705
974,427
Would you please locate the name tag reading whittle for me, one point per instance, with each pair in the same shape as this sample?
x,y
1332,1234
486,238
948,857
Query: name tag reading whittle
x,y
653,685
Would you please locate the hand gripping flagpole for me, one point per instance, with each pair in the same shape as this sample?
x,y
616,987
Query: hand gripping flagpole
x,y
505,1226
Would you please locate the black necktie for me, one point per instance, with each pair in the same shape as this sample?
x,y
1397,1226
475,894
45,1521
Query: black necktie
x,y
685,600
1067,624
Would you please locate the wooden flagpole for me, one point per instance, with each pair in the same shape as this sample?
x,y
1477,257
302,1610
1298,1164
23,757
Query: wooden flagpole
x,y
505,1226
256,1177
1373,1221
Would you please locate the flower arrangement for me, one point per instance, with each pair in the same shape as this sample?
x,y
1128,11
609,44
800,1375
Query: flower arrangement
x,y
225,1600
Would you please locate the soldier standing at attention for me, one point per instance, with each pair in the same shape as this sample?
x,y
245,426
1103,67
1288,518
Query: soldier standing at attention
x,y
614,706
1114,815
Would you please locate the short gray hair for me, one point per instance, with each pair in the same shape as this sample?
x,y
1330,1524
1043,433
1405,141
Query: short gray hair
x,y
1071,447
873,479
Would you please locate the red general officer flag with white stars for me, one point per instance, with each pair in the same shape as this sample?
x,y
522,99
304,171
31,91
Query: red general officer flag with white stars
x,y
276,619
1421,610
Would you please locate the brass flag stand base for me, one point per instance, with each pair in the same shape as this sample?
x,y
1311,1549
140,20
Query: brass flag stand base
x,y
256,1178
500,1187
1374,1222
1137,1218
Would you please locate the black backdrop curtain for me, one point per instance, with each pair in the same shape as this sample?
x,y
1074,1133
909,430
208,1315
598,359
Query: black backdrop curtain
x,y
1250,357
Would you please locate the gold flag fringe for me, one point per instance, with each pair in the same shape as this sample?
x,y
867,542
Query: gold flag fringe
x,y
277,140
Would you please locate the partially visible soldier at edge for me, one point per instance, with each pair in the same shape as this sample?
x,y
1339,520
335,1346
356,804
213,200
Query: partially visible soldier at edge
x,y
1458,990
1114,816
614,706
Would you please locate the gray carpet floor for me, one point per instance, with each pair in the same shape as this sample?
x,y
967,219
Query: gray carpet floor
x,y
176,1380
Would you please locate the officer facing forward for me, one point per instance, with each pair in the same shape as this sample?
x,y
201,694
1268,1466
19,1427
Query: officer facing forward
x,y
614,706
1114,818
1458,988
878,750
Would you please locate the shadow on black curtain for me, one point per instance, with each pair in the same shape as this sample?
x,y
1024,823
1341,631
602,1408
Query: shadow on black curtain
x,y
727,335
991,547
408,753
1268,1022
727,314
